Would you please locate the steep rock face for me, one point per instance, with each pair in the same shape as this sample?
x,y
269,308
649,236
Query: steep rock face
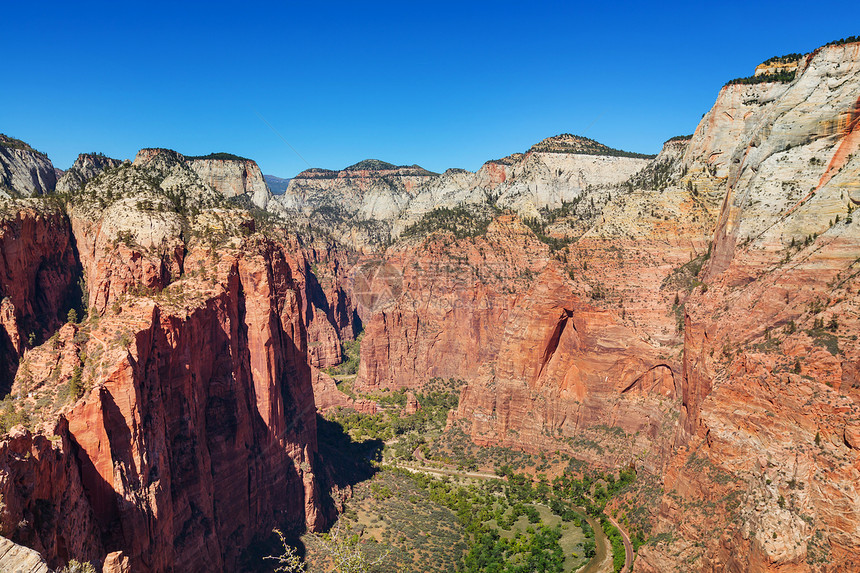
x,y
127,249
371,189
226,409
20,559
37,272
524,183
567,372
434,308
767,479
44,503
355,204
85,167
233,178
24,172
196,431
543,366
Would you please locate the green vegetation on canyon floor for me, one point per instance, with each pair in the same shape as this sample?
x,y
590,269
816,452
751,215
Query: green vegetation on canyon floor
x,y
430,498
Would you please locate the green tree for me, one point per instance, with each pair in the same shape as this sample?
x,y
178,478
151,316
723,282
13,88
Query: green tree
x,y
77,567
72,316
75,386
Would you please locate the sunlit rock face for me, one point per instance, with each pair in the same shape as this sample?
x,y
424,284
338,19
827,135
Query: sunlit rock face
x,y
24,172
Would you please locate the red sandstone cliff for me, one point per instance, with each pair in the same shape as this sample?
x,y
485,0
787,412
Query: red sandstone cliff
x,y
37,273
196,429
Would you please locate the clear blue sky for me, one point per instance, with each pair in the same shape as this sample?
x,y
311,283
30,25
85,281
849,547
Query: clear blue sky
x,y
442,84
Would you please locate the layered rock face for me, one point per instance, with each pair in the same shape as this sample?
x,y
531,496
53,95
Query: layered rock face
x,y
233,178
38,271
695,316
544,364
24,172
524,183
196,430
726,358
767,478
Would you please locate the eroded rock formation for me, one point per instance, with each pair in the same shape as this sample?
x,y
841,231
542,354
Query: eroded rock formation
x,y
178,422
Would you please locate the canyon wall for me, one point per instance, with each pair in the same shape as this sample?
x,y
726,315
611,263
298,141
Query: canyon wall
x,y
371,203
38,269
233,178
767,476
548,368
694,316
703,327
177,423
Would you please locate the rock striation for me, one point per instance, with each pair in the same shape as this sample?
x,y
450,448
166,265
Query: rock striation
x,y
706,316
178,422
769,352
18,559
24,172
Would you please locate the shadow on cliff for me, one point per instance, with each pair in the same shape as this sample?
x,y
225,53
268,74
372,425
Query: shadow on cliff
x,y
344,462
56,285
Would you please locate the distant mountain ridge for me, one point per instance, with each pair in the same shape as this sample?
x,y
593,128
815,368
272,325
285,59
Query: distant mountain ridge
x,y
569,143
386,198
277,185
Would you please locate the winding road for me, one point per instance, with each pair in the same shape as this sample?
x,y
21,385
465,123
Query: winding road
x,y
596,565
628,547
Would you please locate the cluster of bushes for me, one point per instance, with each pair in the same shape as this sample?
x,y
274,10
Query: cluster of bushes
x,y
786,59
536,551
782,76
415,534
221,155
11,415
12,143
841,41
577,144
351,350
619,555
460,221
431,415
539,229
505,502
